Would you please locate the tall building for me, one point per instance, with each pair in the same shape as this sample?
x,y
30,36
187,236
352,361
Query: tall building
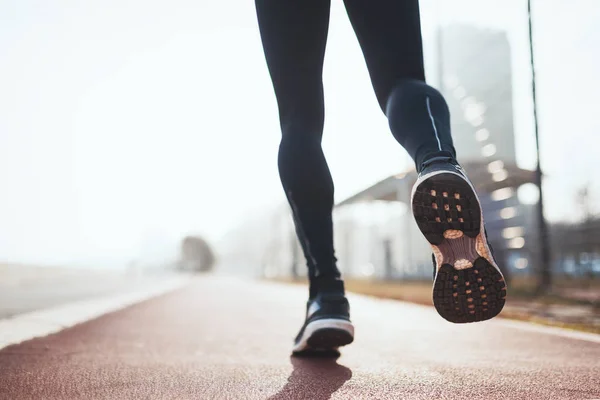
x,y
477,83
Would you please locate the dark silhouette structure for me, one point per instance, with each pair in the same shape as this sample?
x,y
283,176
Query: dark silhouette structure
x,y
196,255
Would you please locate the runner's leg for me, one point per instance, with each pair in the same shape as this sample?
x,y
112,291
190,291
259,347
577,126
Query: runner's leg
x,y
389,32
294,35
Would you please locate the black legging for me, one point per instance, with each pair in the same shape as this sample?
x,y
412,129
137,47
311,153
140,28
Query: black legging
x,y
294,34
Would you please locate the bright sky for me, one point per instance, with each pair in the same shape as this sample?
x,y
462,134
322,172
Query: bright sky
x,y
127,124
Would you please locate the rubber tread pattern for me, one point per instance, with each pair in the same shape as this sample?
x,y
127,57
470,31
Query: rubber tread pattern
x,y
425,214
470,295
460,296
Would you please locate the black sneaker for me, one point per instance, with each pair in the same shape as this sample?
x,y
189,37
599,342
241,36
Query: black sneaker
x,y
468,285
327,325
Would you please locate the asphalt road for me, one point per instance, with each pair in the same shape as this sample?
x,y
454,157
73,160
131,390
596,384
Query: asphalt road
x,y
219,338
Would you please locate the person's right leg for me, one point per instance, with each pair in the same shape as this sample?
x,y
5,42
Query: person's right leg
x,y
389,33
294,35
468,285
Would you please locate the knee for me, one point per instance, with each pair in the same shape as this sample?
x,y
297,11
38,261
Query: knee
x,y
302,127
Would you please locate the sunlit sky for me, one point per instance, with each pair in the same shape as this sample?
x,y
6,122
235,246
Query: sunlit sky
x,y
127,124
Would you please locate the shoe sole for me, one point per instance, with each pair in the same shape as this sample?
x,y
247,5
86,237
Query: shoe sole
x,y
325,335
468,285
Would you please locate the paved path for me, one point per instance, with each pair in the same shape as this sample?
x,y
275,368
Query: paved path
x,y
25,289
219,338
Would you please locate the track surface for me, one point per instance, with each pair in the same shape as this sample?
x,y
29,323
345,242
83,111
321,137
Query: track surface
x,y
220,338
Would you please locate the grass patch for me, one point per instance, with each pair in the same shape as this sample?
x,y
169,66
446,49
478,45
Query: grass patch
x,y
520,294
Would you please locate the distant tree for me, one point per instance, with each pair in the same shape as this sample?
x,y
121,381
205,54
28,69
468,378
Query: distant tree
x,y
196,254
585,201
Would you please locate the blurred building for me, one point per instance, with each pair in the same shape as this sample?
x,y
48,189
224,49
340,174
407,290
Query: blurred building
x,y
477,84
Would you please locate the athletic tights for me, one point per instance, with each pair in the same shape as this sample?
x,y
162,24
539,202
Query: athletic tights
x,y
294,35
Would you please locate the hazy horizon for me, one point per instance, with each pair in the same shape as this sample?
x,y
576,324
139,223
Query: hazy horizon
x,y
127,125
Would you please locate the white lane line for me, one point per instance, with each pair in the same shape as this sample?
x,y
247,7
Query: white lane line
x,y
45,322
549,330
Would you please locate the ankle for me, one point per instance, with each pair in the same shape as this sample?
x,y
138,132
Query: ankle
x,y
326,284
436,157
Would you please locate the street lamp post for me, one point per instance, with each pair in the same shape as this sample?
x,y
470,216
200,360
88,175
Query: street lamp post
x,y
545,269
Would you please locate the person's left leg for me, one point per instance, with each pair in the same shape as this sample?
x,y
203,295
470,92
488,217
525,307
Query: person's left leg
x,y
468,284
294,34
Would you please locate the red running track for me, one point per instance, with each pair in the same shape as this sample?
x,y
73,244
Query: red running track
x,y
220,338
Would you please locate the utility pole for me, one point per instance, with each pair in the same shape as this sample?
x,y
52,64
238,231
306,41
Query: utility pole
x,y
545,269
440,53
